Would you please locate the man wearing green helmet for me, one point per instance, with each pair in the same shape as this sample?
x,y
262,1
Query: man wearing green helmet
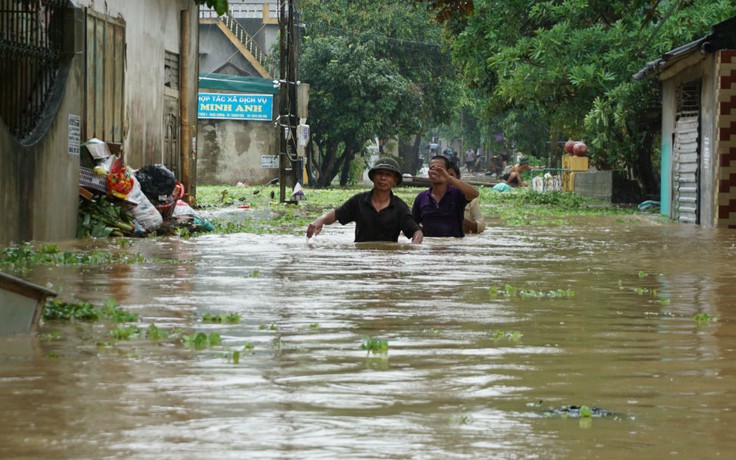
x,y
379,215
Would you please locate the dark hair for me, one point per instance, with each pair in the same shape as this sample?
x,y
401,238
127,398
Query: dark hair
x,y
443,158
455,168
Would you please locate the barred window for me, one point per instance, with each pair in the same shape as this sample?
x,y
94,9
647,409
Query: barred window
x,y
31,37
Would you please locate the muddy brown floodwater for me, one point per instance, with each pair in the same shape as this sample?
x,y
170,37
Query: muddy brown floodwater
x,y
468,374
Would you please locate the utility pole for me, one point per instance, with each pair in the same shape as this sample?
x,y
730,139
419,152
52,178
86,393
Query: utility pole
x,y
286,122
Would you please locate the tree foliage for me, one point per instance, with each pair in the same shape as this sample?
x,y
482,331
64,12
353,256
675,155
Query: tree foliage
x,y
570,63
220,6
376,69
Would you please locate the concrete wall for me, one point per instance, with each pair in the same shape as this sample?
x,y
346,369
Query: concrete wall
x,y
610,186
597,184
230,151
39,183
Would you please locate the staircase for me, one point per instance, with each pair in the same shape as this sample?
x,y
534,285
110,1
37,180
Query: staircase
x,y
247,46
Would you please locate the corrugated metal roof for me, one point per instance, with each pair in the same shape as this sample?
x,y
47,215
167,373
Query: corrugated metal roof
x,y
721,36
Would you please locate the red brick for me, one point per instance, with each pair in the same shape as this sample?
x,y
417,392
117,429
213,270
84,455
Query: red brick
x,y
728,106
728,56
728,80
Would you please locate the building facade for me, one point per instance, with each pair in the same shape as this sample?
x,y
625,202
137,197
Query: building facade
x,y
123,71
699,128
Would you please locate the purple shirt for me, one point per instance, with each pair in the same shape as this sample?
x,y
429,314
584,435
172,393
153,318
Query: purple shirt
x,y
440,219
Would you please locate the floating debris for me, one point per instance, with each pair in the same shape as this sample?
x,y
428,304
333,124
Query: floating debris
x,y
578,412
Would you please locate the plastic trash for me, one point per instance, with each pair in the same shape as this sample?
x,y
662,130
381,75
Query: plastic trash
x,y
156,180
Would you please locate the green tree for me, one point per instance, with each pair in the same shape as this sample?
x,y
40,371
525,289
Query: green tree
x,y
376,69
570,63
355,95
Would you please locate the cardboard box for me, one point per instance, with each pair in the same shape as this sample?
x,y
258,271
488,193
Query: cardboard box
x,y
574,163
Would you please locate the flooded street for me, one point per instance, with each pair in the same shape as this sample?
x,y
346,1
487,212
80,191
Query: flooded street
x,y
486,335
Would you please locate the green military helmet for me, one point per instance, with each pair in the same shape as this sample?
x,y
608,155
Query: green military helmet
x,y
386,164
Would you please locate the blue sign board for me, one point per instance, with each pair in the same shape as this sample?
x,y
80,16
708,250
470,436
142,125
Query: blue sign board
x,y
236,106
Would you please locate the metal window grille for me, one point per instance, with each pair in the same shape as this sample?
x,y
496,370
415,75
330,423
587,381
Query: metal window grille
x,y
688,97
31,36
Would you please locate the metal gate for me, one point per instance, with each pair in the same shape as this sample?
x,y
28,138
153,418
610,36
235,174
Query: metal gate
x,y
686,177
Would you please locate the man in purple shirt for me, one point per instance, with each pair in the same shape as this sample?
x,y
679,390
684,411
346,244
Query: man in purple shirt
x,y
440,209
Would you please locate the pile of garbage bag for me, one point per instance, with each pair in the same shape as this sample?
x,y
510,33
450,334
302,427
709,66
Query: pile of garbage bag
x,y
116,200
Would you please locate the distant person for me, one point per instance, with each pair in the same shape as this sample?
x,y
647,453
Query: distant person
x,y
480,159
440,210
513,176
504,160
447,153
470,159
472,217
379,215
454,159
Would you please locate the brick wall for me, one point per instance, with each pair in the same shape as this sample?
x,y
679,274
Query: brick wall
x,y
726,139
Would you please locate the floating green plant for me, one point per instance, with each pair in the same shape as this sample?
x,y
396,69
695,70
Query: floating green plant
x,y
513,336
511,291
272,327
124,332
225,318
254,274
645,291
704,318
202,340
86,311
153,332
374,344
234,355
49,336
27,255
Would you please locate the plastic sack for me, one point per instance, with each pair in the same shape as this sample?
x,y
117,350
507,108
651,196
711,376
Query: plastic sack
x,y
119,180
156,180
144,211
183,209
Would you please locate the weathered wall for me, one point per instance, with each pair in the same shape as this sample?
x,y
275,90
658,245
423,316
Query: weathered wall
x,y
229,151
39,183
151,28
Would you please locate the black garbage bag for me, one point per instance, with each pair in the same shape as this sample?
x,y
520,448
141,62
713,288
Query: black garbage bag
x,y
156,180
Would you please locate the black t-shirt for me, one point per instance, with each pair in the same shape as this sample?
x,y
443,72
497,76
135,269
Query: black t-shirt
x,y
377,226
